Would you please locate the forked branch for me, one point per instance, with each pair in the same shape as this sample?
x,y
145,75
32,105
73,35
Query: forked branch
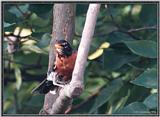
x,y
75,88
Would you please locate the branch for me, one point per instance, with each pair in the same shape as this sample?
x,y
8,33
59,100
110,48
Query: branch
x,y
130,31
75,88
143,28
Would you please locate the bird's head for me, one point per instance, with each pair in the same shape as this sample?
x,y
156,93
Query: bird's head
x,y
63,48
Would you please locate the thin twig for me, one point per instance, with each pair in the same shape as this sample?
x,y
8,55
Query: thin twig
x,y
130,31
142,28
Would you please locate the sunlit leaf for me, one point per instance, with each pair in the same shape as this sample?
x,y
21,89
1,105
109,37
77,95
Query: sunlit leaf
x,y
136,9
22,31
104,45
99,51
7,105
154,91
126,10
96,54
18,78
33,48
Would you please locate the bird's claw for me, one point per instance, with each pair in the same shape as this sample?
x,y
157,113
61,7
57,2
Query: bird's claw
x,y
55,82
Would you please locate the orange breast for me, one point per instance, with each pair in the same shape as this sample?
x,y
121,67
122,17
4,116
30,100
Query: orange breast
x,y
65,66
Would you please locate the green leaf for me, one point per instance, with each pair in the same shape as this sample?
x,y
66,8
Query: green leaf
x,y
134,108
34,101
147,79
145,48
33,48
5,24
118,37
30,59
152,36
84,109
114,60
18,77
45,40
151,101
106,93
16,11
119,99
35,20
95,84
7,105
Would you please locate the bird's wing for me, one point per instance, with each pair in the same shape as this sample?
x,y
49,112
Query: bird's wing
x,y
44,87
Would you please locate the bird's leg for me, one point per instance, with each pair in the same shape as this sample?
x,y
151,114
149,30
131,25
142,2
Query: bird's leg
x,y
54,79
60,80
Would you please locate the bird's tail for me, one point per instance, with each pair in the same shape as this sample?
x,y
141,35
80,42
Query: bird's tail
x,y
44,87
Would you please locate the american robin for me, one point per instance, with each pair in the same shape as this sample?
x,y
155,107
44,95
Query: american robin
x,y
61,73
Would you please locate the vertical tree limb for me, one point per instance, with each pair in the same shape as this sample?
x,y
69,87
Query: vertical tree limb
x,y
76,85
63,26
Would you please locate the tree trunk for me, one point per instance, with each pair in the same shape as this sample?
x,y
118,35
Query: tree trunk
x,y
63,28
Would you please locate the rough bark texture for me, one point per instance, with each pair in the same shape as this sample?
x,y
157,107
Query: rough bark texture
x,y
63,28
75,88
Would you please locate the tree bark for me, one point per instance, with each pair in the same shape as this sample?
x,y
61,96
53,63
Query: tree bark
x,y
75,87
63,28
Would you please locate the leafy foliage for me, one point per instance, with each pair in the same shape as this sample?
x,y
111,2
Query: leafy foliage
x,y
121,73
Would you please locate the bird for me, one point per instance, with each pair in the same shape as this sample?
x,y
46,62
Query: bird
x,y
64,62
